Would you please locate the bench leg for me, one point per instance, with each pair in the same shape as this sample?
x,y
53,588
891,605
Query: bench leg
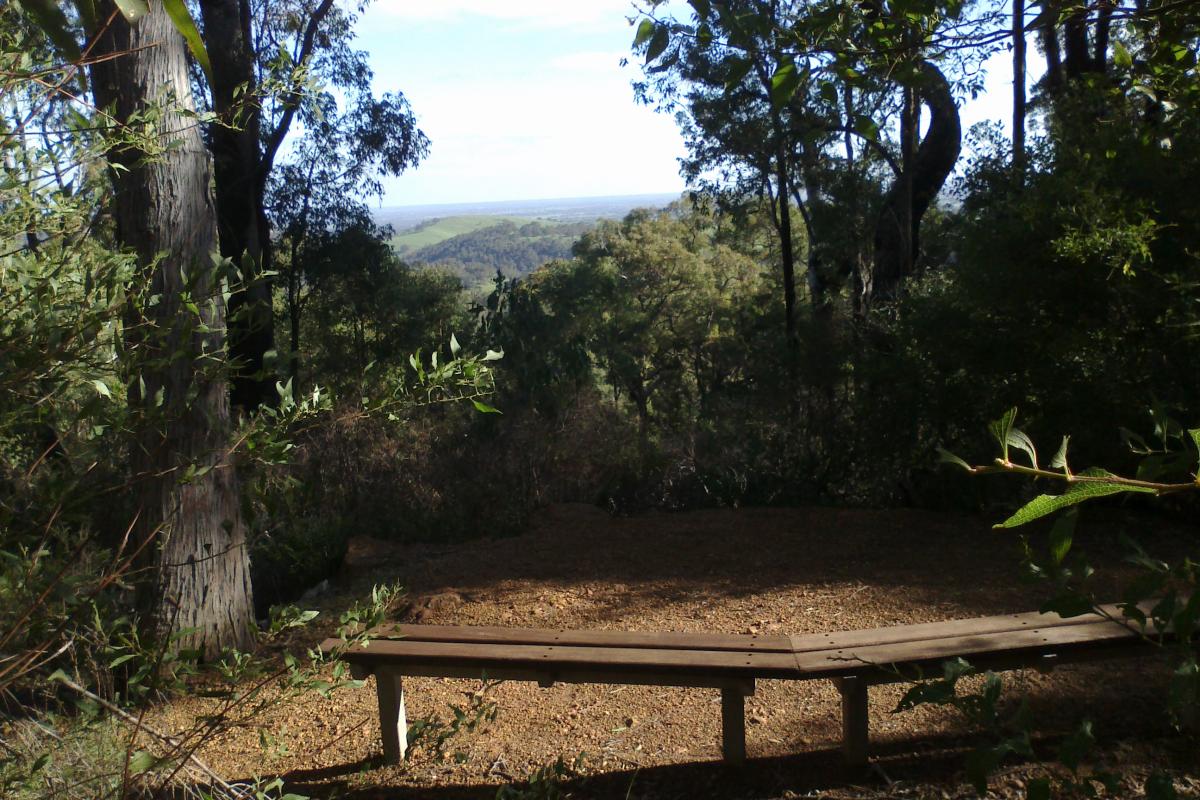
x,y
855,720
393,721
733,724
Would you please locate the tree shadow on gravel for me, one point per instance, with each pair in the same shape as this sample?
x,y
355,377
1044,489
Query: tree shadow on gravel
x,y
952,560
812,771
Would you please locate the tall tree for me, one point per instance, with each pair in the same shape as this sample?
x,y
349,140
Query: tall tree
x,y
240,173
1018,113
265,58
762,87
186,487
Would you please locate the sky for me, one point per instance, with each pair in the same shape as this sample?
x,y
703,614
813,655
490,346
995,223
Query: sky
x,y
527,99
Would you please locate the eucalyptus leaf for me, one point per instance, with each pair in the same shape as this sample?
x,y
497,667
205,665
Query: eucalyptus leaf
x,y
132,10
177,10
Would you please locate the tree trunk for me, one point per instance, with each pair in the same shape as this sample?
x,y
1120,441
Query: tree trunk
x,y
242,223
897,239
784,211
198,574
1077,58
1049,34
1018,118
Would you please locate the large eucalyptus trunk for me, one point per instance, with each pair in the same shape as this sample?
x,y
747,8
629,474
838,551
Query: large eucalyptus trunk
x,y
196,575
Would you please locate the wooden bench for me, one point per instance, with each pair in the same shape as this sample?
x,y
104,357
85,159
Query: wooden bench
x,y
855,660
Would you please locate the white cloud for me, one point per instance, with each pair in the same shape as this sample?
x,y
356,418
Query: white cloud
x,y
533,13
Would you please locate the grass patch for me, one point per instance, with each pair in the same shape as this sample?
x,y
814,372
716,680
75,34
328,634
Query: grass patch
x,y
436,231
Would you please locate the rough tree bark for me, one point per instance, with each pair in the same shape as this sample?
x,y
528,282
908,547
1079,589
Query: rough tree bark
x,y
912,193
197,574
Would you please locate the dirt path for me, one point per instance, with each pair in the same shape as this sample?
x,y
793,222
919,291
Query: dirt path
x,y
746,571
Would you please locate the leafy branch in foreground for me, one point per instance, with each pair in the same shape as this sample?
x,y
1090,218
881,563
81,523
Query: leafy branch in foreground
x,y
1161,604
1176,448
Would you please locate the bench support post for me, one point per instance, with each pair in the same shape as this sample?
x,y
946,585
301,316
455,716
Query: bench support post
x,y
855,720
393,721
733,722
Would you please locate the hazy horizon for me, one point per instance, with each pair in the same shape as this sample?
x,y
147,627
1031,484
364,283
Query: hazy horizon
x,y
514,200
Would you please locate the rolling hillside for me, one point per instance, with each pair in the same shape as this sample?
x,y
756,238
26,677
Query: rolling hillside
x,y
514,247
436,231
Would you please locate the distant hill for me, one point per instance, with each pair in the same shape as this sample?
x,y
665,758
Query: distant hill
x,y
435,231
475,240
513,247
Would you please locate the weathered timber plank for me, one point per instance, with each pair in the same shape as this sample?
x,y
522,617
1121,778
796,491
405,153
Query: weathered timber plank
x,y
551,659
629,639
584,674
898,634
1008,649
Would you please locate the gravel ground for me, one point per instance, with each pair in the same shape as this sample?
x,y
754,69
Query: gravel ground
x,y
778,571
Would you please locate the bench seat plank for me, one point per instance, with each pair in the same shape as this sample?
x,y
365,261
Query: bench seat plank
x,y
925,631
485,634
1080,641
551,659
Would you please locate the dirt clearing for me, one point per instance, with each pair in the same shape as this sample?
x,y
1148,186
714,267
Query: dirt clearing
x,y
779,571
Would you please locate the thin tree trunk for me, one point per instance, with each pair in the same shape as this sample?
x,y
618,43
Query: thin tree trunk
x,y
186,487
784,210
242,223
1049,34
1018,119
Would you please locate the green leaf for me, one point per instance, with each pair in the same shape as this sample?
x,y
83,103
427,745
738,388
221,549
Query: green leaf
x,y
455,347
1001,428
1062,534
784,84
1121,56
1195,434
177,10
493,355
866,127
53,22
1060,458
1076,746
946,457
658,43
1020,440
102,388
132,10
644,32
141,761
1045,504
484,408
